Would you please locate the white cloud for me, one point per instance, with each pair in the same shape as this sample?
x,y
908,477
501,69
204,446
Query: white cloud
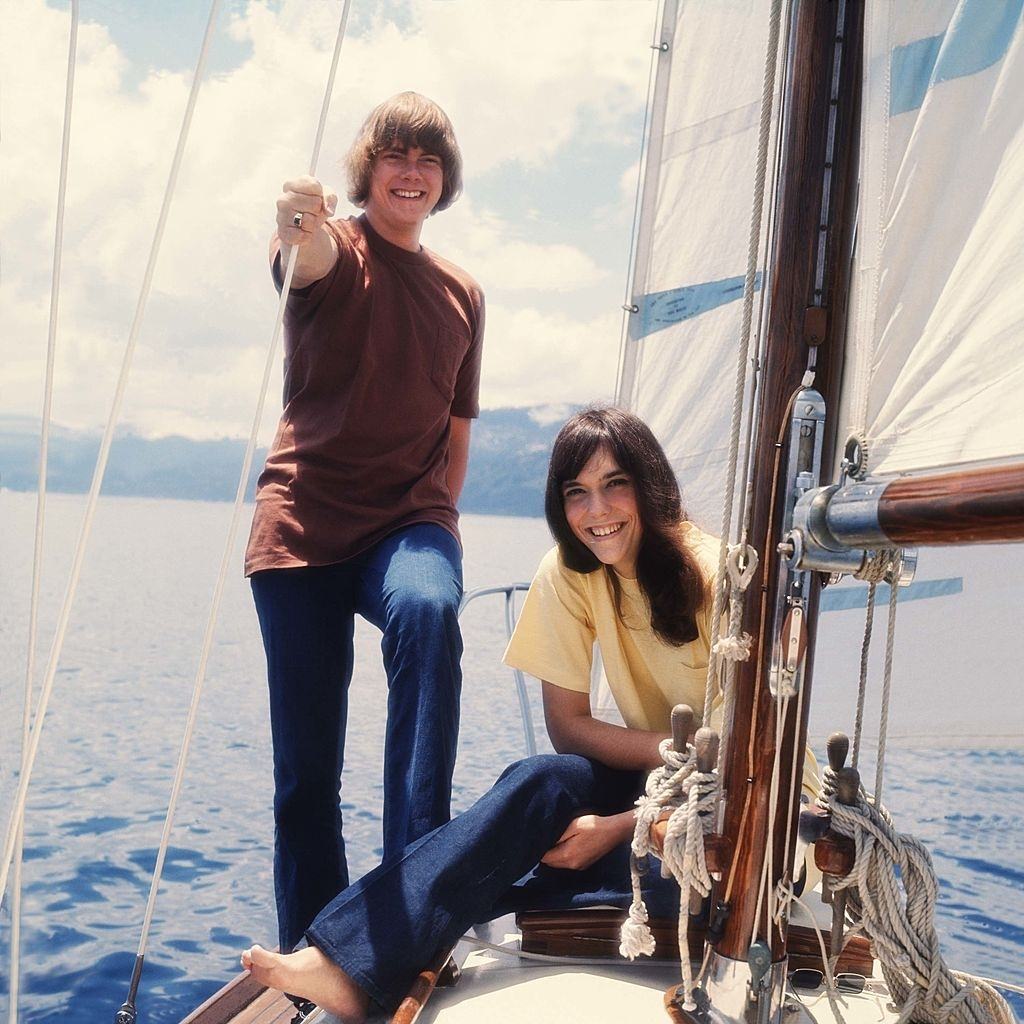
x,y
629,181
536,357
500,257
523,83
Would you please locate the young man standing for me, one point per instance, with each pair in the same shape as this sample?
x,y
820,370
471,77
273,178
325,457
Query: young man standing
x,y
355,510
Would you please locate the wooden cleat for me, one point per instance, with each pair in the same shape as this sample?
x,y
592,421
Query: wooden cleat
x,y
682,726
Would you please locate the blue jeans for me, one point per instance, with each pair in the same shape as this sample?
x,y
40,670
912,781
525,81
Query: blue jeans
x,y
408,585
386,927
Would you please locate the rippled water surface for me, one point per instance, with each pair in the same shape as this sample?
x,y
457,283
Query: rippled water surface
x,y
112,734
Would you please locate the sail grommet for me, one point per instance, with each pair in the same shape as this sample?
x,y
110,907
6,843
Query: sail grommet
x,y
855,457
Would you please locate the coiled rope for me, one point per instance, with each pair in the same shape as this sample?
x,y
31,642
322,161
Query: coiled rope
x,y
229,545
690,790
37,548
896,889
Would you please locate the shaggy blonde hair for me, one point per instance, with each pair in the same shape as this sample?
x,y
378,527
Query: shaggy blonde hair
x,y
405,121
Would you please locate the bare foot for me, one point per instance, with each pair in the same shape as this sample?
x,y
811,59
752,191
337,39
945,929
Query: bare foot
x,y
308,973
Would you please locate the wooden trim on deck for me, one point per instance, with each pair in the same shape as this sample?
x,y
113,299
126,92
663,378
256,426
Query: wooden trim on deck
x,y
243,1001
595,933
224,1005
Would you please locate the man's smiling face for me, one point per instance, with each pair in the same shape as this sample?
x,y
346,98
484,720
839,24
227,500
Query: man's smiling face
x,y
405,186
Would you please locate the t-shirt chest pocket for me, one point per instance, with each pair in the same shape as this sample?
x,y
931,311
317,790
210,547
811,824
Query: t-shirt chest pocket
x,y
449,350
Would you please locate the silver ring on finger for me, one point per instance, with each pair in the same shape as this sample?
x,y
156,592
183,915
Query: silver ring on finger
x,y
297,220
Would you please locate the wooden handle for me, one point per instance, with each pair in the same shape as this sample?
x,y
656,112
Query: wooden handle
x,y
705,743
682,726
422,989
717,848
838,747
847,786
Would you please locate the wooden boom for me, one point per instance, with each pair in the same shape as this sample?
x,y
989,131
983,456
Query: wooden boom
x,y
971,506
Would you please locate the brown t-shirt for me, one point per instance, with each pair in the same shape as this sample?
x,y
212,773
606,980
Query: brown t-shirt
x,y
379,355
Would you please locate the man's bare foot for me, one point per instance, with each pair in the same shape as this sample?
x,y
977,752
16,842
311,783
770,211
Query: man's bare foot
x,y
308,973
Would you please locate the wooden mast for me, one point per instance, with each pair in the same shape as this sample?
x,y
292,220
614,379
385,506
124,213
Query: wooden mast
x,y
798,319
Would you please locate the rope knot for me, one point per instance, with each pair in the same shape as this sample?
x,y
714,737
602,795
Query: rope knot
x,y
734,648
691,796
635,938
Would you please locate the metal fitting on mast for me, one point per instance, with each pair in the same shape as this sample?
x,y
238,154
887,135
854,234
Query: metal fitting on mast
x,y
803,470
835,529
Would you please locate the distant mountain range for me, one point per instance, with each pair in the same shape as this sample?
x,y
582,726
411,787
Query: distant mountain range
x,y
508,461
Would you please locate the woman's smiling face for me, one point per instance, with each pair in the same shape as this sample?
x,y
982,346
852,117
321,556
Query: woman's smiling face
x,y
601,509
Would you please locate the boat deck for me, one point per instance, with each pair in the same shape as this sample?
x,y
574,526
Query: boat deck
x,y
497,984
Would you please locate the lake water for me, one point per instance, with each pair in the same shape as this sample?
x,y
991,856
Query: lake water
x,y
111,740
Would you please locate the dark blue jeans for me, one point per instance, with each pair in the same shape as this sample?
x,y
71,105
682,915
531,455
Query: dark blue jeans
x,y
386,927
409,585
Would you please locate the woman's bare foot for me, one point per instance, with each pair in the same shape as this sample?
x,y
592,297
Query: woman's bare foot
x,y
308,973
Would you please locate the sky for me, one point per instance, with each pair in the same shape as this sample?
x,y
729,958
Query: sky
x,y
547,98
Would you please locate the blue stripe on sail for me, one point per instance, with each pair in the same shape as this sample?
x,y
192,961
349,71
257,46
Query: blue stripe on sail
x,y
857,597
977,38
663,309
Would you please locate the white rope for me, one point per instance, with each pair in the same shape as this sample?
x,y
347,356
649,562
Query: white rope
x,y
18,810
787,896
753,250
795,787
883,725
37,549
765,888
741,564
545,958
229,546
862,684
691,795
897,890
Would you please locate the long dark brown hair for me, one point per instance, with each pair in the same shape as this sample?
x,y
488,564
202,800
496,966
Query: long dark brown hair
x,y
668,573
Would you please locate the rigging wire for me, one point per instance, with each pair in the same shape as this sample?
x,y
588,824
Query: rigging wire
x,y
37,550
628,309
228,553
762,311
883,725
18,811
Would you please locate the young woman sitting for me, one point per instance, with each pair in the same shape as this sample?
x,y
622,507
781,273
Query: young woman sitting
x,y
628,572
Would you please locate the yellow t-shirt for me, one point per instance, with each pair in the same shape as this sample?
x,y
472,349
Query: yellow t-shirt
x,y
566,611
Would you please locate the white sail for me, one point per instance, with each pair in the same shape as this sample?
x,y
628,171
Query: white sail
x,y
935,365
936,335
684,331
679,359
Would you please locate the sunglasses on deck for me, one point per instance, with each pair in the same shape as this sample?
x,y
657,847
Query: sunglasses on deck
x,y
806,978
